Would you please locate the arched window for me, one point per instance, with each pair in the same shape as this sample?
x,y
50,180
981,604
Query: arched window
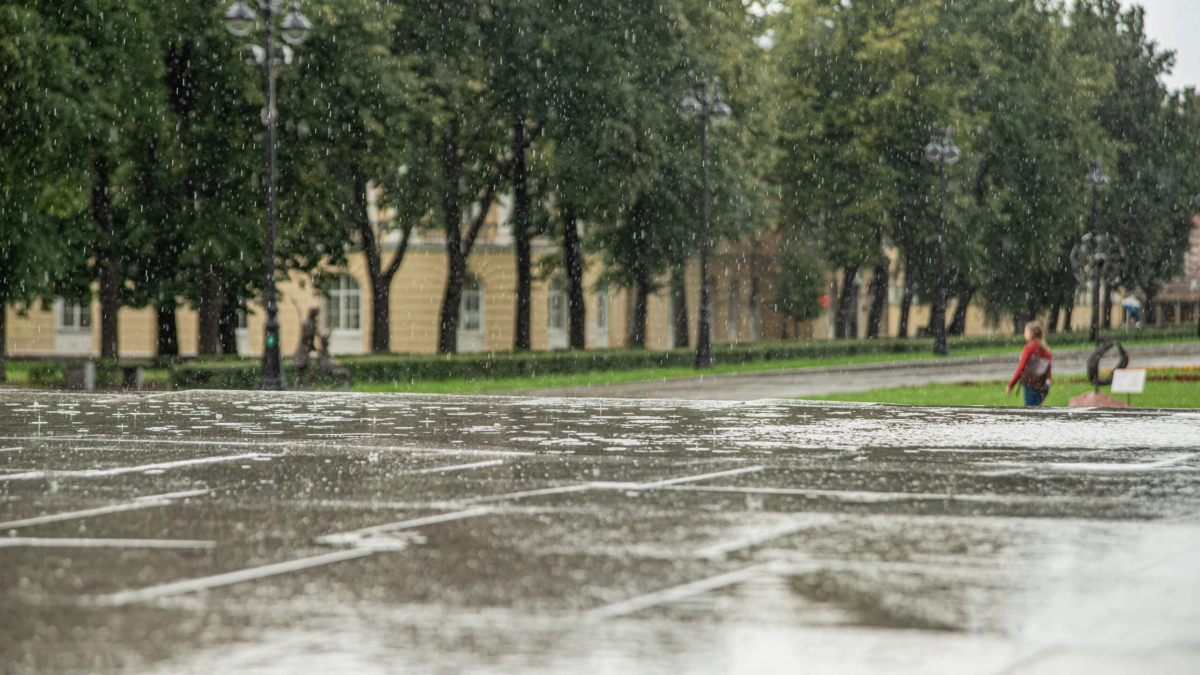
x,y
341,302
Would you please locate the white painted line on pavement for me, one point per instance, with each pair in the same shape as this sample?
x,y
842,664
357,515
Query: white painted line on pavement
x,y
13,449
353,537
146,502
703,476
676,593
868,497
755,539
457,467
227,579
531,493
159,466
80,542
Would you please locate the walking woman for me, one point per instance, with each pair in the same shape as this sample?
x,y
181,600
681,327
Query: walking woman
x,y
1033,372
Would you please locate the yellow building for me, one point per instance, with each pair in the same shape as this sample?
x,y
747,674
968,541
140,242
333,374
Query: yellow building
x,y
741,306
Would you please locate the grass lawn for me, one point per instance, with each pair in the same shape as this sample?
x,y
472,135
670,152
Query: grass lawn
x,y
597,379
1158,394
641,374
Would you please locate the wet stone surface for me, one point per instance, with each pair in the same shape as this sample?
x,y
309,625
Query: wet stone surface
x,y
309,533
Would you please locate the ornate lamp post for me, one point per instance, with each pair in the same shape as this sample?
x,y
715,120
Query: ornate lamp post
x,y
241,20
941,151
1095,251
704,100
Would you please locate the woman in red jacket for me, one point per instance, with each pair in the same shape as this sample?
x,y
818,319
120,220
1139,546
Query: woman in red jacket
x,y
1035,343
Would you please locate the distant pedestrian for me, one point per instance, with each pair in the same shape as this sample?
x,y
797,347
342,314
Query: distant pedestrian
x,y
1033,371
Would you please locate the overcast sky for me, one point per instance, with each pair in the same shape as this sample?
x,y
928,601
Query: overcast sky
x,y
1175,25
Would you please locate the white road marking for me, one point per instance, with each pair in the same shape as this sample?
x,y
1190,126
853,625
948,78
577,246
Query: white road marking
x,y
78,542
581,487
149,501
868,497
458,467
723,548
227,579
355,537
676,593
120,470
13,449
703,476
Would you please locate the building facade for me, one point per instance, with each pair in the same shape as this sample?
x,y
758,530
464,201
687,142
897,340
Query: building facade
x,y
741,306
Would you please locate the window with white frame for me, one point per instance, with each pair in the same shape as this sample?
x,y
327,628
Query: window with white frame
x,y
74,316
341,301
558,304
602,309
470,313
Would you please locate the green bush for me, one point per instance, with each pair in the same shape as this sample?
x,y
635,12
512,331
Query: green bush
x,y
226,373
46,374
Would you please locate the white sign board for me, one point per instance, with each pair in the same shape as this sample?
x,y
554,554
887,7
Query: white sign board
x,y
1126,381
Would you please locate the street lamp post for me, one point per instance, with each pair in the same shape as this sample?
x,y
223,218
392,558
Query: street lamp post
x,y
1096,181
941,151
240,20
704,100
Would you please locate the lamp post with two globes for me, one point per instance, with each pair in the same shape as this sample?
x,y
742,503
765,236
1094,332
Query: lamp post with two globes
x,y
240,20
703,100
941,151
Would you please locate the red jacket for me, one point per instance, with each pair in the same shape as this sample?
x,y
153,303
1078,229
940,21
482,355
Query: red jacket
x,y
1030,347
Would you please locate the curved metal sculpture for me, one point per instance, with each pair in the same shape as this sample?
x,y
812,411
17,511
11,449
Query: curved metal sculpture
x,y
1093,364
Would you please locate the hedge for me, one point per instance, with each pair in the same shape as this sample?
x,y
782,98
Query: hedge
x,y
394,368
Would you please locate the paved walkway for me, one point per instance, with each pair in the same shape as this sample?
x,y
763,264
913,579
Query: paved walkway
x,y
263,533
793,383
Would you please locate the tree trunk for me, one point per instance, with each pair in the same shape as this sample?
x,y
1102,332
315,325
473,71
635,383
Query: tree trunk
x,y
1067,312
679,306
906,299
522,328
209,337
1151,307
879,290
227,320
3,341
1052,324
458,247
1108,308
637,332
573,261
456,262
845,306
168,331
106,261
958,324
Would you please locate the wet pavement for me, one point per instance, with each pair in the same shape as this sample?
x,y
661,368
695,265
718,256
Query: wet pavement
x,y
802,382
202,532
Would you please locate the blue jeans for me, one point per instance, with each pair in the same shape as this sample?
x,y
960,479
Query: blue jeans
x,y
1035,398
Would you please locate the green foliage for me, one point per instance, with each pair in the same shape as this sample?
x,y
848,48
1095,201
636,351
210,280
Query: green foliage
x,y
799,283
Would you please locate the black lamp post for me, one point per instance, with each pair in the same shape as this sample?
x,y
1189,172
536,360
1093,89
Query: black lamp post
x,y
241,20
703,100
1094,251
941,151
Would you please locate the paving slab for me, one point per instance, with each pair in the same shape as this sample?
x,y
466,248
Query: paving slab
x,y
818,381
249,532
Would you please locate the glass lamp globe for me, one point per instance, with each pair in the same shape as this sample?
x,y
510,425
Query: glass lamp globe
x,y
240,19
690,107
720,112
933,151
295,26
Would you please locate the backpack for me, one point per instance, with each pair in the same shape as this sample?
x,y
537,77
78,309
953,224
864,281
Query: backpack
x,y
1036,370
